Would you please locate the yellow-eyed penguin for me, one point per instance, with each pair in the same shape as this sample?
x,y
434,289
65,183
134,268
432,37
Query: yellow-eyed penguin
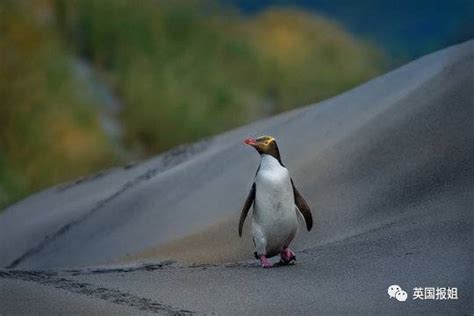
x,y
276,202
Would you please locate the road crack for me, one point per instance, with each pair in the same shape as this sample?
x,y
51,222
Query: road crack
x,y
110,295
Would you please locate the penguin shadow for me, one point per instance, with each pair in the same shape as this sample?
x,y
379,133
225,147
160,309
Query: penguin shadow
x,y
255,265
277,265
280,264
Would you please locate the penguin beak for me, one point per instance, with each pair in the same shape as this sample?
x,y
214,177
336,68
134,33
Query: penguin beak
x,y
250,141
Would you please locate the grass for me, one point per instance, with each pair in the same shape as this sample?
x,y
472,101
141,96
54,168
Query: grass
x,y
183,70
48,134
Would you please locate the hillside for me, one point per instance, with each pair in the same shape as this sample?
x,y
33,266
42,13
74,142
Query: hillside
x,y
86,85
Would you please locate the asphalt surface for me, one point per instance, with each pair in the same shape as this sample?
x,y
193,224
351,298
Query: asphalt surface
x,y
388,169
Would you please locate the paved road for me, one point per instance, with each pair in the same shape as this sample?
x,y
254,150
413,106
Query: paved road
x,y
388,169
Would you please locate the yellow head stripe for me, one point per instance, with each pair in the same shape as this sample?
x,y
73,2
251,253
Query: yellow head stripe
x,y
264,138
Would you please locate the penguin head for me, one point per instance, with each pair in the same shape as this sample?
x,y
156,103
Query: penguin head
x,y
265,145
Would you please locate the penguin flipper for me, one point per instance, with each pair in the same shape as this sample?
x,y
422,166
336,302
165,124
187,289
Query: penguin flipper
x,y
245,209
303,207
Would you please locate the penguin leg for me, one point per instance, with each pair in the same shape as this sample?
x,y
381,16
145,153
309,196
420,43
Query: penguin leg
x,y
260,246
287,255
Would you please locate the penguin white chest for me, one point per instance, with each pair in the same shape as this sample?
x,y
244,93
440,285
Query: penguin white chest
x,y
274,220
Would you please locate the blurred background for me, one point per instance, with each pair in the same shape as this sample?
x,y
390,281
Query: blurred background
x,y
89,84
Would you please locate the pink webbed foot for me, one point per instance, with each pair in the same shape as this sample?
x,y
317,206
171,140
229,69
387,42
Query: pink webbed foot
x,y
265,263
287,255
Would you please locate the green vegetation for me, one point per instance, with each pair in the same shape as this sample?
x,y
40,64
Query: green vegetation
x,y
184,74
47,133
183,70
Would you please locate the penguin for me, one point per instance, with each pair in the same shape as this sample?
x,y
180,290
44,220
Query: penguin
x,y
276,202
